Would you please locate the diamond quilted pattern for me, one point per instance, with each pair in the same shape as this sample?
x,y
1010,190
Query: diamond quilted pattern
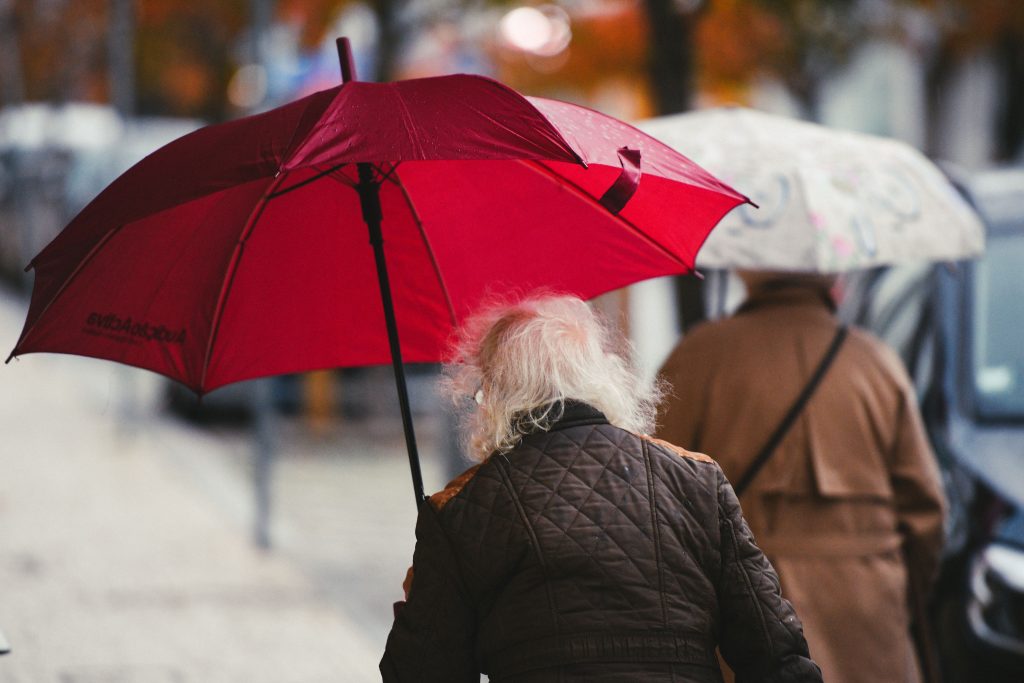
x,y
587,543
580,537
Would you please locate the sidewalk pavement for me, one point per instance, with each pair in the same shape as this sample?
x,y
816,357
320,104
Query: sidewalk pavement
x,y
125,551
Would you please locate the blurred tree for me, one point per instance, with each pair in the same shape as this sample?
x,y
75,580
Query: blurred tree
x,y
978,27
312,17
658,53
183,55
803,43
61,49
315,17
671,26
390,37
12,82
87,50
608,50
819,36
121,55
736,40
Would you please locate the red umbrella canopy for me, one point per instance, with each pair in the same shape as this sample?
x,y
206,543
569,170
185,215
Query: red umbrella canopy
x,y
239,250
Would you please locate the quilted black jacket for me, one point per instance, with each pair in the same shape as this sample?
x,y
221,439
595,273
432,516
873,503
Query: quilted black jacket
x,y
588,553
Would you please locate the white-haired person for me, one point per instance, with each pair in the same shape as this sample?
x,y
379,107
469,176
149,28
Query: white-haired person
x,y
580,549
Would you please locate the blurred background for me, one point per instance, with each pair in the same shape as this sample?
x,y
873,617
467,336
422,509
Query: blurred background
x,y
263,533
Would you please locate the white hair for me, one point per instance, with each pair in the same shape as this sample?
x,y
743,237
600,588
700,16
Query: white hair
x,y
523,361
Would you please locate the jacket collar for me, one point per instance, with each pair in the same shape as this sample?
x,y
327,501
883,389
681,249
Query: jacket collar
x,y
787,293
573,413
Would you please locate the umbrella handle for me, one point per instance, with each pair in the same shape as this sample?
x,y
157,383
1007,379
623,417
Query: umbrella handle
x,y
369,198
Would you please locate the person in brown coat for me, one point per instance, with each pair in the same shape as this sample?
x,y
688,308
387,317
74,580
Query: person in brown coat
x,y
849,508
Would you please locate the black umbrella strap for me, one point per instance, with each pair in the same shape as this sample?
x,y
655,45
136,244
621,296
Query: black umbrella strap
x,y
794,412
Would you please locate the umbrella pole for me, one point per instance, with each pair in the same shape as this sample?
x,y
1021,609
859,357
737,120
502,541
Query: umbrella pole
x,y
369,198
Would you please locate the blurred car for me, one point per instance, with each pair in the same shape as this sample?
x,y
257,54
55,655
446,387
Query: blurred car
x,y
357,393
995,604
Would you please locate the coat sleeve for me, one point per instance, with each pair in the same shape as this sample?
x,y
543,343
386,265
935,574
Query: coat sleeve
x,y
917,492
761,637
433,636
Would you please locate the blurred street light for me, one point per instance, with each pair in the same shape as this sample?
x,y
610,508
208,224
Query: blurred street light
x,y
542,30
248,87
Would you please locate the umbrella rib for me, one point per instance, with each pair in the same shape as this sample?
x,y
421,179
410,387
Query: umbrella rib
x,y
409,124
393,177
64,285
232,269
307,181
570,185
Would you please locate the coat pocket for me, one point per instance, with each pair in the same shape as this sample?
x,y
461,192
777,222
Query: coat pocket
x,y
846,460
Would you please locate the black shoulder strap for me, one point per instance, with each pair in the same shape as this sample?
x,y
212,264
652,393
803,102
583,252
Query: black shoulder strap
x,y
794,411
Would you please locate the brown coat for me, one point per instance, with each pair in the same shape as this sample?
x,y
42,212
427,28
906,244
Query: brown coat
x,y
850,508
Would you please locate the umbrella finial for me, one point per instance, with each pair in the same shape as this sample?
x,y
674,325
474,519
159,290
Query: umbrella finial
x,y
348,65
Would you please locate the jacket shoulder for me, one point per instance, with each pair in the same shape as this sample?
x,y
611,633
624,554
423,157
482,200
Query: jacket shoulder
x,y
702,339
676,450
452,489
872,349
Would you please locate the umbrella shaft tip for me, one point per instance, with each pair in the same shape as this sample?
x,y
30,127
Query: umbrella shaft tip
x,y
348,66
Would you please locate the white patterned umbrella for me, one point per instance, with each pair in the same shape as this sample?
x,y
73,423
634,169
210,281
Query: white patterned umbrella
x,y
830,200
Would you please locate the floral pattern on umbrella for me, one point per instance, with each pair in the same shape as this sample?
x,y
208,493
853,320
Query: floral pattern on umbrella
x,y
830,200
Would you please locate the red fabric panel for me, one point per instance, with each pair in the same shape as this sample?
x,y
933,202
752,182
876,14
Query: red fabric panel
x,y
166,271
447,117
306,296
544,235
225,256
208,160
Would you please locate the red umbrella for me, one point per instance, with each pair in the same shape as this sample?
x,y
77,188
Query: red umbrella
x,y
237,251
